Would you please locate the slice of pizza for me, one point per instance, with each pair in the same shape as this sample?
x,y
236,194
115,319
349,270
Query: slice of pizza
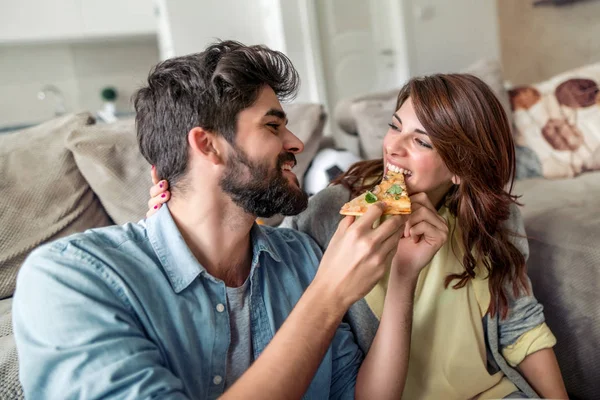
x,y
391,191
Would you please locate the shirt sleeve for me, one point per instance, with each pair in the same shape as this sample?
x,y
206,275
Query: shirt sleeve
x,y
536,339
77,336
524,331
346,359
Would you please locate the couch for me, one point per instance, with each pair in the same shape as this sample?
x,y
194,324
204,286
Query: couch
x,y
71,174
562,221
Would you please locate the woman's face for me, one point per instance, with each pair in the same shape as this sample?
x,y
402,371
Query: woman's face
x,y
407,147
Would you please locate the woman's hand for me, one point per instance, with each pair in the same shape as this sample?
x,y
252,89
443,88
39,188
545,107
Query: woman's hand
x,y
159,193
425,232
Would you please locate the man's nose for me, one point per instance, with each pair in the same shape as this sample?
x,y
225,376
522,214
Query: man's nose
x,y
291,143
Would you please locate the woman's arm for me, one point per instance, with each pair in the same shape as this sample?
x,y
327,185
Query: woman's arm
x,y
383,373
543,374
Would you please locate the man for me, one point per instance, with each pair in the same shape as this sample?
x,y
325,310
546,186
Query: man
x,y
198,301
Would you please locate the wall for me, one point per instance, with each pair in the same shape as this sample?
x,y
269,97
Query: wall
x,y
195,23
79,70
447,36
538,43
188,26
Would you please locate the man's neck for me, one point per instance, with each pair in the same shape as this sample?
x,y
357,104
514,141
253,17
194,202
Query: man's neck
x,y
217,233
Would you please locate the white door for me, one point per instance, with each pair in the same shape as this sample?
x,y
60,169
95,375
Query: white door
x,y
362,49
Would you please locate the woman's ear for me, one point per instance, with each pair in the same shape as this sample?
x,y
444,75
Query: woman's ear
x,y
205,144
456,179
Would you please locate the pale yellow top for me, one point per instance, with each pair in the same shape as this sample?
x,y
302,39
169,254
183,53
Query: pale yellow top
x,y
448,354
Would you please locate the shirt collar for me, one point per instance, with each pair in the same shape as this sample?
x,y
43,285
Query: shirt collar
x,y
177,259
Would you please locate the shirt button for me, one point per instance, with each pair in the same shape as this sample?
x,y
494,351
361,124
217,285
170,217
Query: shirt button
x,y
220,308
217,379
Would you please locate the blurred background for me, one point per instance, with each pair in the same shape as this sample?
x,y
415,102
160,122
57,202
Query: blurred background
x,y
63,56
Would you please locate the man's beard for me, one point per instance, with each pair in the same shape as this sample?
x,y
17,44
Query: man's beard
x,y
265,192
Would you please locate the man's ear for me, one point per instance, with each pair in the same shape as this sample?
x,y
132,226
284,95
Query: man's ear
x,y
456,179
205,144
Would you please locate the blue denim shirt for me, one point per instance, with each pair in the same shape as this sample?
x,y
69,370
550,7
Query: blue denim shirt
x,y
128,312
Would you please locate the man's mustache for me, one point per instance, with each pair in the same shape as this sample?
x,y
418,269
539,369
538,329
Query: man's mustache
x,y
285,157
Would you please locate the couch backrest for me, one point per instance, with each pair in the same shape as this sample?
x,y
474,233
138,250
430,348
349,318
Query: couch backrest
x,y
367,116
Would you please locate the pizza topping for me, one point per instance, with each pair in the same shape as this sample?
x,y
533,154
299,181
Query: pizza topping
x,y
395,189
370,197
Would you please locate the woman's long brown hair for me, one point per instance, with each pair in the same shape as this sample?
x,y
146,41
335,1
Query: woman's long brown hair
x,y
470,131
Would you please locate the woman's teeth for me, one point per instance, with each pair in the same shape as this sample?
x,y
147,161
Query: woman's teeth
x,y
398,170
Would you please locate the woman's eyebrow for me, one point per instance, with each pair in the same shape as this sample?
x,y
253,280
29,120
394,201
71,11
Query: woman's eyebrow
x,y
422,132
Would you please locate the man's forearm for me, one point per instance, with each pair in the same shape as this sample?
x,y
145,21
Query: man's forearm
x,y
288,364
543,374
383,373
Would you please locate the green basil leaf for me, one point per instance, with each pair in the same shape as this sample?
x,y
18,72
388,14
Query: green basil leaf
x,y
370,197
395,189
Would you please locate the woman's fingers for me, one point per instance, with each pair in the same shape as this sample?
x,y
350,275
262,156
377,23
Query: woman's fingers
x,y
425,214
422,200
155,202
159,188
154,175
430,233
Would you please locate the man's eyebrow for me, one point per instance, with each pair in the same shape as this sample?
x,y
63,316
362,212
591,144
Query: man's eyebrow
x,y
422,132
273,112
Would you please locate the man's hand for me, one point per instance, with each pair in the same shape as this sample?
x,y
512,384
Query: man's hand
x,y
425,232
356,256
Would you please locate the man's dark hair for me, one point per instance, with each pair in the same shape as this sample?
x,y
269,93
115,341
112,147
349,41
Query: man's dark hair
x,y
207,90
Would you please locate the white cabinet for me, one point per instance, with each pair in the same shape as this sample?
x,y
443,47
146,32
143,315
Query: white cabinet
x,y
117,17
64,20
39,20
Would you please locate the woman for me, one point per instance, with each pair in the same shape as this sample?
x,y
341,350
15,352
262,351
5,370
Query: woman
x,y
477,330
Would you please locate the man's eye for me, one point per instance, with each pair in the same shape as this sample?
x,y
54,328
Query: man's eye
x,y
424,144
394,127
274,126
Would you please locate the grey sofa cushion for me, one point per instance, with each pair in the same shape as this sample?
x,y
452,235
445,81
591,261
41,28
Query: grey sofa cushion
x,y
372,117
44,196
109,158
562,220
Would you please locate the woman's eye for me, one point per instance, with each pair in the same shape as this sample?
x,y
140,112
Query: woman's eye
x,y
424,144
394,127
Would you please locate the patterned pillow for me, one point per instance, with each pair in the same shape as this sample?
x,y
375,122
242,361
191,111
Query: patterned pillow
x,y
559,120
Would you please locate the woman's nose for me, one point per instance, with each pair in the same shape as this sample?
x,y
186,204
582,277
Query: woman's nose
x,y
396,147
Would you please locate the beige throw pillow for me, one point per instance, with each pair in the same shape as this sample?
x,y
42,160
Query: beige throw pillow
x,y
306,121
44,196
109,157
